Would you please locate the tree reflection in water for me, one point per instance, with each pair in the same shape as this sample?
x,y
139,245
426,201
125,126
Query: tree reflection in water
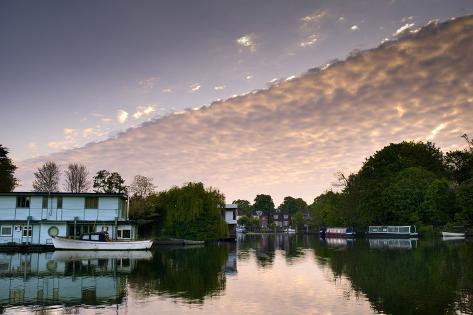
x,y
190,273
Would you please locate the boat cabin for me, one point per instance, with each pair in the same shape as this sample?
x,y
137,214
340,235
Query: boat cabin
x,y
97,237
394,230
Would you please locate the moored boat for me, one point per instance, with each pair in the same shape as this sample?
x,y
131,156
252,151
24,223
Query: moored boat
x,y
395,231
99,241
453,234
337,231
289,231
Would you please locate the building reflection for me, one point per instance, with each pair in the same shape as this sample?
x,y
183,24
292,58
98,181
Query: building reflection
x,y
67,278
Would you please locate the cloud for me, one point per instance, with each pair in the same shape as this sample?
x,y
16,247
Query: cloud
x,y
314,18
291,138
308,41
247,42
354,28
166,90
122,116
248,77
92,132
403,28
219,87
148,84
143,111
194,87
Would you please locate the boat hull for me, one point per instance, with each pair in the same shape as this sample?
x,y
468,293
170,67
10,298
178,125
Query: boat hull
x,y
451,234
64,243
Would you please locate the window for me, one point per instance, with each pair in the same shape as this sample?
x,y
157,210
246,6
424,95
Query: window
x,y
234,214
59,202
124,234
6,230
91,202
85,237
23,201
95,237
45,202
27,231
53,231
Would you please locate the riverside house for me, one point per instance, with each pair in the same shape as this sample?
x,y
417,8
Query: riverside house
x,y
35,217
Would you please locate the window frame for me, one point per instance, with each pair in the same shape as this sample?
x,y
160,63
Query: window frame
x,y
45,202
120,234
96,203
6,226
23,202
28,229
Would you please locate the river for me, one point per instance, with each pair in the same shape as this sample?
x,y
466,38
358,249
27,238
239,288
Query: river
x,y
259,274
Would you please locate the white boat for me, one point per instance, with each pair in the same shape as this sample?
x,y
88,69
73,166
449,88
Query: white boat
x,y
392,231
99,241
452,234
71,255
290,231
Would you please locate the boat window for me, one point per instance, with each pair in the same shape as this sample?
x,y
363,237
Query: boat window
x,y
385,229
23,202
27,231
392,229
59,202
85,237
124,233
45,202
6,230
94,237
91,202
404,229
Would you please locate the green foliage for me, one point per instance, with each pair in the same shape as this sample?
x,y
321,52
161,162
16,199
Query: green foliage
x,y
438,207
249,222
264,203
8,182
106,182
464,196
193,212
404,183
404,197
459,165
292,205
244,207
298,220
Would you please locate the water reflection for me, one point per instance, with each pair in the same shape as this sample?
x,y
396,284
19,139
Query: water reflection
x,y
67,278
298,273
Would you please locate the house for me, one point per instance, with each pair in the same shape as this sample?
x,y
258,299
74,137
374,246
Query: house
x,y
231,218
282,220
35,217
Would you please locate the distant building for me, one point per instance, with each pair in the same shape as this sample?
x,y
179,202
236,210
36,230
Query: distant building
x,y
282,220
231,218
35,217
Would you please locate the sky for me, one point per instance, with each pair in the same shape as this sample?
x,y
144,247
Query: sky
x,y
222,91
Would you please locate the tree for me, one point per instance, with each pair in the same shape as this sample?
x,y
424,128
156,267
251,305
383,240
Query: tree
x,y
244,207
464,196
292,205
404,197
47,178
193,212
8,182
298,220
264,203
142,186
249,222
439,205
77,180
106,182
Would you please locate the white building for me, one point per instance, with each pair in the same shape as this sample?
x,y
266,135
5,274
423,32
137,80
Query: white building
x,y
35,217
231,218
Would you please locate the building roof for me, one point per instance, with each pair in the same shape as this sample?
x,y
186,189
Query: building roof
x,y
64,194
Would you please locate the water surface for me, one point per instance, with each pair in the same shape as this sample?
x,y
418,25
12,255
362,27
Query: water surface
x,y
277,274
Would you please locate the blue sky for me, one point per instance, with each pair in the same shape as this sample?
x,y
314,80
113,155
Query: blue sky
x,y
76,73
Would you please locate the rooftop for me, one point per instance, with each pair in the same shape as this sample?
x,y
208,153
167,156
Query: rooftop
x,y
63,194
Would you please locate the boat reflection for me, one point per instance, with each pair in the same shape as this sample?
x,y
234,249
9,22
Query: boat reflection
x,y
337,241
393,243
